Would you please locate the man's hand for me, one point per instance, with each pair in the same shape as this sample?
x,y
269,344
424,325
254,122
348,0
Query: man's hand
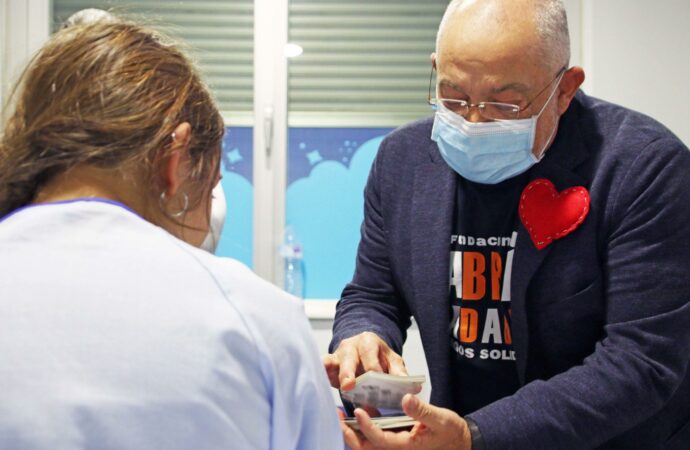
x,y
436,429
358,354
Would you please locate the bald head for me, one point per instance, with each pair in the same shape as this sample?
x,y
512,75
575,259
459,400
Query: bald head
x,y
532,27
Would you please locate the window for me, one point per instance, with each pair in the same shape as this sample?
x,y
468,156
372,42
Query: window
x,y
364,70
302,133
219,34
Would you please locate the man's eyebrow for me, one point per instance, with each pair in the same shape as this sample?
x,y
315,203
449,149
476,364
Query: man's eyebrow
x,y
519,87
451,85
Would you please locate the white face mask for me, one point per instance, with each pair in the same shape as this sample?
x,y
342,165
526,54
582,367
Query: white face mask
x,y
218,212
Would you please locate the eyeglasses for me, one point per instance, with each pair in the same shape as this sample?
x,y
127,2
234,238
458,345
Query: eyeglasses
x,y
488,110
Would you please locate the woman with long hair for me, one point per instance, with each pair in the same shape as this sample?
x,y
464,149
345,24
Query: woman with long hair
x,y
116,331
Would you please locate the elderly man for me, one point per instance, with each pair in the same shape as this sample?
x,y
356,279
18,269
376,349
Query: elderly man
x,y
540,239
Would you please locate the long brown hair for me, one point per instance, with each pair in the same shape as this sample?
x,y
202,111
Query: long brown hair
x,y
105,95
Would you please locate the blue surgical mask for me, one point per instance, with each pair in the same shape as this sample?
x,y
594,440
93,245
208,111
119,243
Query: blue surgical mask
x,y
487,152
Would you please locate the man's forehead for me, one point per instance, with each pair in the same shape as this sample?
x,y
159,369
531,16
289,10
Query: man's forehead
x,y
512,65
505,69
490,27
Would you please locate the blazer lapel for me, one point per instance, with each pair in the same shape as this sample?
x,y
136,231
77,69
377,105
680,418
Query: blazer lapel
x,y
567,152
526,261
431,222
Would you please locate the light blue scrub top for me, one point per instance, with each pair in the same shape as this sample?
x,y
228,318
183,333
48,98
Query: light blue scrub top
x,y
115,334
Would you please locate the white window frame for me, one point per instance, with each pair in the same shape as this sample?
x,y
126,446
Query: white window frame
x,y
270,135
270,146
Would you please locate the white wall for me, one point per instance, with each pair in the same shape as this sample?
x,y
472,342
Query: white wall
x,y
574,10
637,54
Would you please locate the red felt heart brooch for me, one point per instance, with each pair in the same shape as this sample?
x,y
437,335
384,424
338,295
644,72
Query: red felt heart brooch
x,y
548,214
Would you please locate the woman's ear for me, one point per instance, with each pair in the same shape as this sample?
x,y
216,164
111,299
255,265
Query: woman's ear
x,y
175,170
571,82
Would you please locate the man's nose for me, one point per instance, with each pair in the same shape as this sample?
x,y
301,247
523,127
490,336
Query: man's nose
x,y
474,116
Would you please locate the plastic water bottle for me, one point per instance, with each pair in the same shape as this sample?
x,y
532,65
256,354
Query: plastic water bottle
x,y
291,252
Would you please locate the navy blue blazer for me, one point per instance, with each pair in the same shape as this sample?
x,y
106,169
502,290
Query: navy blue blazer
x,y
600,318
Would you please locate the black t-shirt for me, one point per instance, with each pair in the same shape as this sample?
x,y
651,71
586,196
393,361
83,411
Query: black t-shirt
x,y
482,249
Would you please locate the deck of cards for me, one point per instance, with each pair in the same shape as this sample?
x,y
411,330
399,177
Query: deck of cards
x,y
381,395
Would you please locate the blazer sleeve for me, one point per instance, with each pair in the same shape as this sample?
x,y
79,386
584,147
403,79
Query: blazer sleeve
x,y
645,350
371,302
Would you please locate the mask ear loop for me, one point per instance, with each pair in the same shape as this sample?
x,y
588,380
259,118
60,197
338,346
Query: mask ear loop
x,y
553,132
543,150
553,91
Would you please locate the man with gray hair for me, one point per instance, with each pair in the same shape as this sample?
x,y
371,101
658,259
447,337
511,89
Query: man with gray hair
x,y
539,237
